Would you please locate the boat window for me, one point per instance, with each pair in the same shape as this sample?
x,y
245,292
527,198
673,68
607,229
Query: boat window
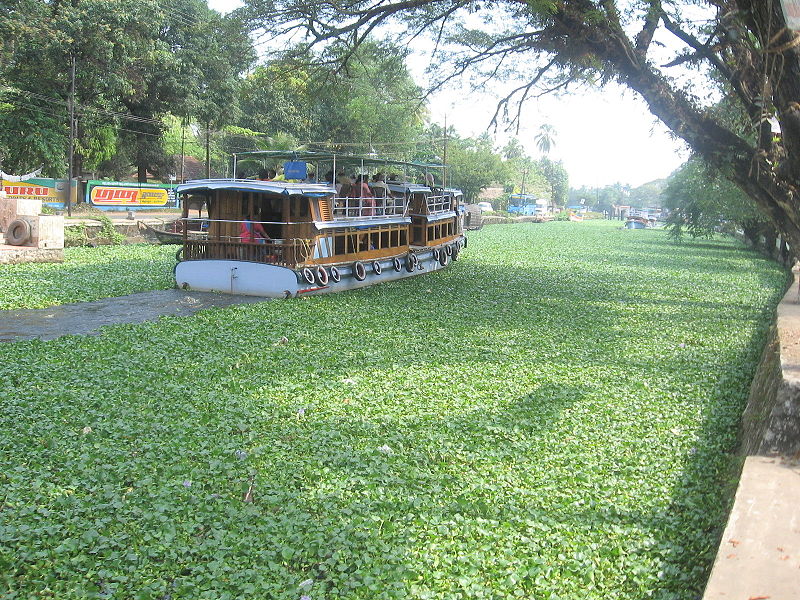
x,y
386,237
300,208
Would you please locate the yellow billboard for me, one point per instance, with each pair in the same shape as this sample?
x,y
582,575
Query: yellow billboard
x,y
46,190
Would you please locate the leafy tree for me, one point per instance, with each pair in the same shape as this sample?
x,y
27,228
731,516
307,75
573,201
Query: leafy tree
x,y
545,139
473,165
277,97
370,102
648,194
136,61
557,179
702,202
740,47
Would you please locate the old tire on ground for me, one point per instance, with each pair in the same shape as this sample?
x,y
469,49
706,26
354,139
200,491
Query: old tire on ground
x,y
19,232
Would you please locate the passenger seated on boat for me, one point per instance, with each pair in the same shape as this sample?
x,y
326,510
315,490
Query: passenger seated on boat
x,y
343,185
378,186
252,232
361,190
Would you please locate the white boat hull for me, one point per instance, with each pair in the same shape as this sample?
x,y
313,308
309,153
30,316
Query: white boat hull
x,y
273,281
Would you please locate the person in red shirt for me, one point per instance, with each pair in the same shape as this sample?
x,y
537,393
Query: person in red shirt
x,y
252,233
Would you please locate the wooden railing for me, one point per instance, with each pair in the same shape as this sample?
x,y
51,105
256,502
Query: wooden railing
x,y
278,252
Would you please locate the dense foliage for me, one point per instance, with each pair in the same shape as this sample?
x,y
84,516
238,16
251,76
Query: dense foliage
x,y
702,202
135,62
550,417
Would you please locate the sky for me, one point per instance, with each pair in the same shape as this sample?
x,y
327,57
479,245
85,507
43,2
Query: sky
x,y
602,137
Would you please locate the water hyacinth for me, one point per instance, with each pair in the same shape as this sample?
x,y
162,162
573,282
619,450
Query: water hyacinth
x,y
548,438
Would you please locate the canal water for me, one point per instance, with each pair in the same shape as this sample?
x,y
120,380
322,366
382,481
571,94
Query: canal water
x,y
86,318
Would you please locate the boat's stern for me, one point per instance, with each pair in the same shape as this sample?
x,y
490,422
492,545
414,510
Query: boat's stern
x,y
237,277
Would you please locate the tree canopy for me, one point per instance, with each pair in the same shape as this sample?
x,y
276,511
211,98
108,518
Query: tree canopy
x,y
136,61
741,49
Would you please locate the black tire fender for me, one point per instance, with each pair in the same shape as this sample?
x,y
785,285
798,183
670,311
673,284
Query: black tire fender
x,y
376,267
308,275
322,275
359,272
336,277
411,262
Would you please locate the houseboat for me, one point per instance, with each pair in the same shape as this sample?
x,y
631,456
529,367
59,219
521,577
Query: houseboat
x,y
303,234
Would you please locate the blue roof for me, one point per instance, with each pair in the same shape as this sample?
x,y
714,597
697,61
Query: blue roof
x,y
254,185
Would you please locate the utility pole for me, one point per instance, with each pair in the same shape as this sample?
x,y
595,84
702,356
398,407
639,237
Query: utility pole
x,y
444,155
208,149
71,135
183,147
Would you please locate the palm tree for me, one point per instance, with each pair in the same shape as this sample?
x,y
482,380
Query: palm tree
x,y
545,139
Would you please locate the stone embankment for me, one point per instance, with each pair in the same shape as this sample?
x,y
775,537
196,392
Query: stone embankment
x,y
759,554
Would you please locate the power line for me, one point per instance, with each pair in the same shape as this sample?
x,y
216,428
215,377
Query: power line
x,y
85,107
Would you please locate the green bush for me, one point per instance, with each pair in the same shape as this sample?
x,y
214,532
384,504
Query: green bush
x,y
75,235
108,232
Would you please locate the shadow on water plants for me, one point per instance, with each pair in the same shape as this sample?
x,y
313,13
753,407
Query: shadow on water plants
x,y
543,419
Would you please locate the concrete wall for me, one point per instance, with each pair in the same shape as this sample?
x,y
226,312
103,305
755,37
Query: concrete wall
x,y
13,208
759,554
47,231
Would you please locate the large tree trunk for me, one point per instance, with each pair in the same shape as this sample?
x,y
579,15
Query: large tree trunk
x,y
769,177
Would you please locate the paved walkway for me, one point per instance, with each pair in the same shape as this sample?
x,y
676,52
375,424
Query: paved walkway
x,y
759,554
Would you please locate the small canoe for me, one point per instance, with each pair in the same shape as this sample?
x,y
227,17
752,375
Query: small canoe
x,y
167,235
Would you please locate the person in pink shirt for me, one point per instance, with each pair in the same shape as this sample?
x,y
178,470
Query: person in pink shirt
x,y
361,190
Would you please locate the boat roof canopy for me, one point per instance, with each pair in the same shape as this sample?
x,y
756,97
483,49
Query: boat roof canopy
x,y
286,188
402,187
311,156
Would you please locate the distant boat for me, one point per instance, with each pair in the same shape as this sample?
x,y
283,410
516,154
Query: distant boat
x,y
636,223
